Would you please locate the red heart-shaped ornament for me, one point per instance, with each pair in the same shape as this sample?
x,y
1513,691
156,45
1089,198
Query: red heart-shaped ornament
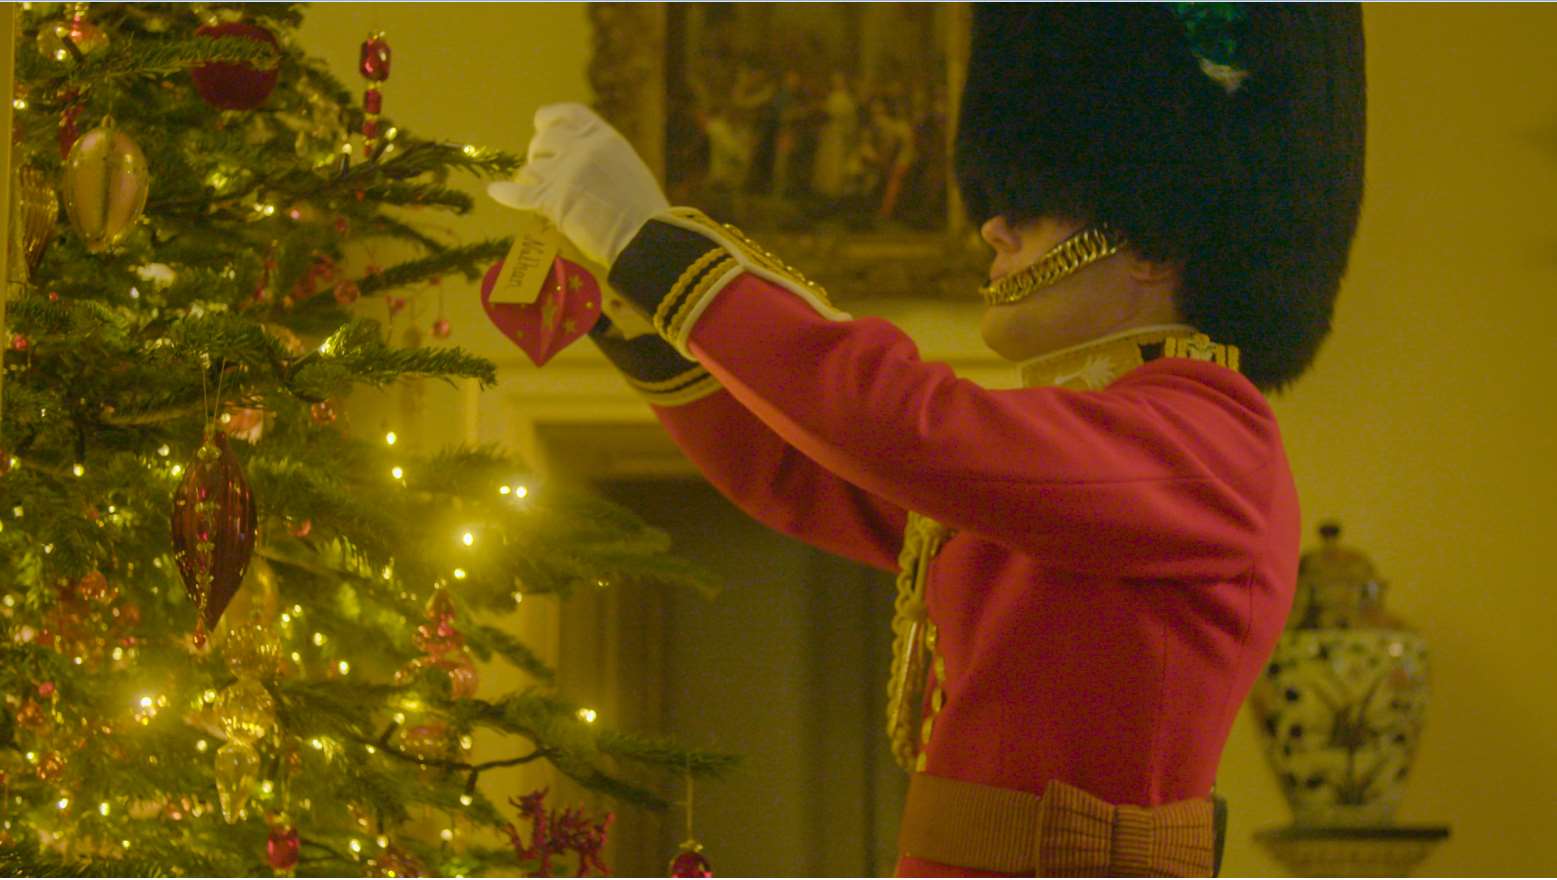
x,y
569,305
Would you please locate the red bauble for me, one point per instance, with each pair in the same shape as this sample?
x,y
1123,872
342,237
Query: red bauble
x,y
281,848
690,863
214,518
235,86
323,412
347,292
373,63
441,328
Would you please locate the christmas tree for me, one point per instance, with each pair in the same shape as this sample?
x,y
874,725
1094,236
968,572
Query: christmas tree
x,y
239,639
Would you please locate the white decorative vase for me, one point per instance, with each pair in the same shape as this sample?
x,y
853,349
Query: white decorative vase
x,y
1341,705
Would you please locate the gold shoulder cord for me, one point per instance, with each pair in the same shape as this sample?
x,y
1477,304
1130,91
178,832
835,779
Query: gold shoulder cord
x,y
1069,256
922,539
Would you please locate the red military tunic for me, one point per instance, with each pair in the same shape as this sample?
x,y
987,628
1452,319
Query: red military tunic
x,y
1122,560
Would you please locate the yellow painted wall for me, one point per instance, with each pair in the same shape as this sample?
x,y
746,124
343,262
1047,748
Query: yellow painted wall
x,y
1427,425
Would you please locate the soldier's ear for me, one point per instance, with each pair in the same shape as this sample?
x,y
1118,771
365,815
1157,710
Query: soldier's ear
x,y
1153,272
999,234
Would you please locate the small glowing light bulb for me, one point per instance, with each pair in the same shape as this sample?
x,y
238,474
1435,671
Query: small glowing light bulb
x,y
63,803
19,104
396,472
344,667
267,787
399,717
382,841
466,800
356,845
118,653
371,750
316,743
177,469
210,695
103,808
469,539
459,574
522,491
469,149
504,490
587,715
319,639
146,702
390,438
201,746
447,834
163,450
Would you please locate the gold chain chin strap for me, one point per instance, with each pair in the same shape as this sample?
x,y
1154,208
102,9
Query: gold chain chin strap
x,y
1069,256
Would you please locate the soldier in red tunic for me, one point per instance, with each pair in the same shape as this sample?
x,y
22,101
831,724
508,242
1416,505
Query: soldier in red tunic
x,y
1094,567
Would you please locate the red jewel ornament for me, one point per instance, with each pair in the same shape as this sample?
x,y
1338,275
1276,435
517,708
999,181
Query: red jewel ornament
x,y
373,64
282,847
690,862
323,412
347,292
214,519
235,86
18,342
441,328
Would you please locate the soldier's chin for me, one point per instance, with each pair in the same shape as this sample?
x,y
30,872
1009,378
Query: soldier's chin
x,y
1005,331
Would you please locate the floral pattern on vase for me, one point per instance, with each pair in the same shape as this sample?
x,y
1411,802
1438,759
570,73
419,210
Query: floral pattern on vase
x,y
1342,703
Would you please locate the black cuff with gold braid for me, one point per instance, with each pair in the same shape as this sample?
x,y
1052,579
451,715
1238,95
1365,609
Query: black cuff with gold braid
x,y
680,260
652,367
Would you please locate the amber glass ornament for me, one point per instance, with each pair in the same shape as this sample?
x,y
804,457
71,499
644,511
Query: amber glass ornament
x,y
37,213
214,518
246,711
72,39
237,769
426,741
253,649
104,183
235,86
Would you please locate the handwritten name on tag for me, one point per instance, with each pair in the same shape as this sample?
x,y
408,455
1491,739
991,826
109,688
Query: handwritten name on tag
x,y
537,242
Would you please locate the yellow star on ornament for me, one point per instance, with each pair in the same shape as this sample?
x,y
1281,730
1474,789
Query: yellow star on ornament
x,y
575,282
570,326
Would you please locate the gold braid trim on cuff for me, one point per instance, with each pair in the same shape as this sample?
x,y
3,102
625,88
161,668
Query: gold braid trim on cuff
x,y
1066,258
692,385
922,540
700,268
701,283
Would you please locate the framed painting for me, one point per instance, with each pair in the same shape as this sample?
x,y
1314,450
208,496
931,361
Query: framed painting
x,y
824,130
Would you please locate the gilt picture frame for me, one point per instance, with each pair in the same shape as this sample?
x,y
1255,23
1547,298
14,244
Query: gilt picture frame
x,y
824,131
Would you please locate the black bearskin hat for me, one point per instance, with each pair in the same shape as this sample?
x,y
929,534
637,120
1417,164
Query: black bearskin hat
x,y
1106,113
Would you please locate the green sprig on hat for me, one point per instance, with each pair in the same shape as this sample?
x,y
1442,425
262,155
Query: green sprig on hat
x,y
1213,30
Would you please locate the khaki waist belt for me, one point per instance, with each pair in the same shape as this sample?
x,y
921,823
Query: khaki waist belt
x,y
1064,833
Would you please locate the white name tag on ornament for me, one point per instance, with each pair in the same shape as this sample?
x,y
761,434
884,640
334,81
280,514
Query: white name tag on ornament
x,y
537,242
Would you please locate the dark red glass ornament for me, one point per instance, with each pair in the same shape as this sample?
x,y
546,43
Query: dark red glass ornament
x,y
370,128
235,86
374,61
690,863
281,849
214,519
373,101
441,328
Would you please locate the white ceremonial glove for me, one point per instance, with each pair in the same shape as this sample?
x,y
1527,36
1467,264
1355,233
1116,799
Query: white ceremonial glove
x,y
586,178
